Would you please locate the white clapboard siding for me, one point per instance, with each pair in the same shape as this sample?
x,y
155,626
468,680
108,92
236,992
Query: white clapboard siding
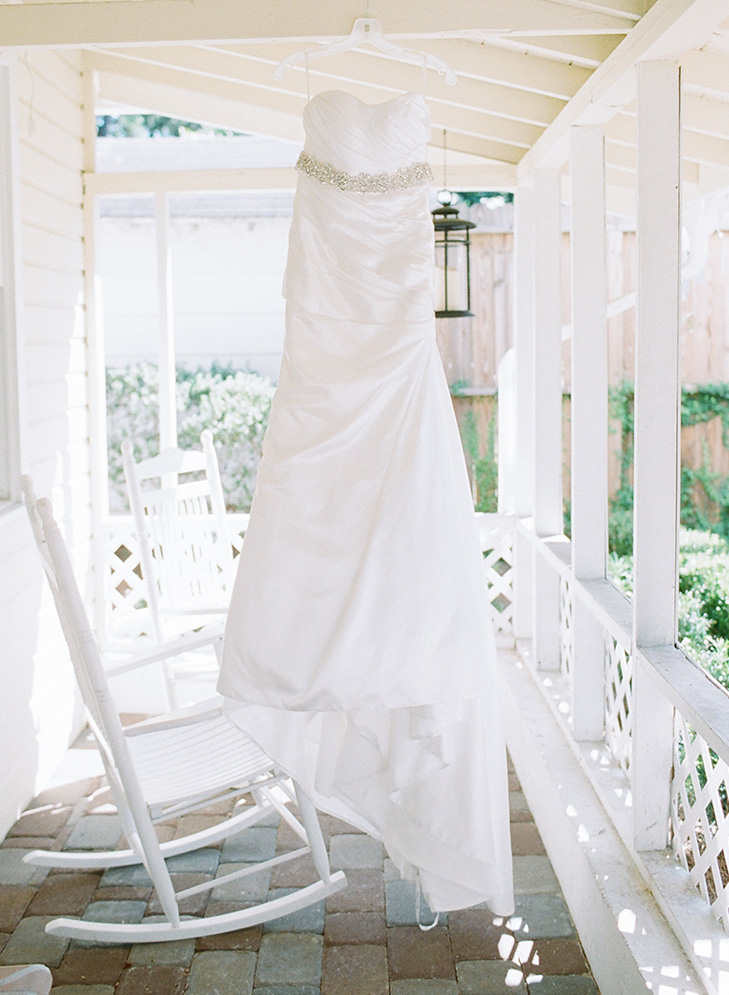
x,y
47,326
49,361
39,710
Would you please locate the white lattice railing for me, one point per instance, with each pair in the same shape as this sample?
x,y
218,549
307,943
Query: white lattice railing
x,y
497,545
124,595
618,702
700,816
697,782
566,642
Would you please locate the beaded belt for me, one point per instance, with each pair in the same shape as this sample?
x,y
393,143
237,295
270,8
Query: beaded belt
x,y
324,172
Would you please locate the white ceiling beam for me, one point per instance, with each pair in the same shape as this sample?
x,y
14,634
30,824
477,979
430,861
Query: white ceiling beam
x,y
214,103
357,72
709,180
586,51
484,177
695,146
701,113
516,69
468,57
668,30
119,22
630,8
707,71
244,108
188,180
457,118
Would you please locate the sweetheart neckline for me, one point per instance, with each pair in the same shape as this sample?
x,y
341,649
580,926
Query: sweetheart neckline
x,y
363,103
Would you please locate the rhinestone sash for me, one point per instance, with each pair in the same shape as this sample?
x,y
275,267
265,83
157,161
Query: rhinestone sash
x,y
324,172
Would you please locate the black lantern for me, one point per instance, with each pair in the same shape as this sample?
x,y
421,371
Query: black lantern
x,y
452,260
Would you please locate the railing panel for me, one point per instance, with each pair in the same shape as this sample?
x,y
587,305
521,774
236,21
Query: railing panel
x,y
619,673
566,630
497,546
125,587
700,816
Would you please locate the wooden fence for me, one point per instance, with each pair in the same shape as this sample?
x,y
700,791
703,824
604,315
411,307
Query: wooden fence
x,y
472,348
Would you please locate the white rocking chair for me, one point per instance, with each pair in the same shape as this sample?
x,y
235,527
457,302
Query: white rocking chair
x,y
186,553
165,767
182,529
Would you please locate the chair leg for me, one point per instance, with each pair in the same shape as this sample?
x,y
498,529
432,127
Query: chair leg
x,y
310,819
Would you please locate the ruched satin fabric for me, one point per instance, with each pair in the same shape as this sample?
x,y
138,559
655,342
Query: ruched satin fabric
x,y
358,650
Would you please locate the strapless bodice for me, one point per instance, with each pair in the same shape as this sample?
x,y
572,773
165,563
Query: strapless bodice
x,y
366,138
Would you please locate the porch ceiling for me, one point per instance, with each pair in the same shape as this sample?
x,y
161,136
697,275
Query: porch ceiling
x,y
528,70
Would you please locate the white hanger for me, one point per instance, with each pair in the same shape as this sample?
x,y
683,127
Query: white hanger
x,y
367,30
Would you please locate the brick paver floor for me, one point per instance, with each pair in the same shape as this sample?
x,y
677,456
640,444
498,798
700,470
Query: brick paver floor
x,y
363,940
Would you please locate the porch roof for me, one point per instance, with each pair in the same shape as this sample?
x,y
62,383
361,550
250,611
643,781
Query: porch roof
x,y
528,71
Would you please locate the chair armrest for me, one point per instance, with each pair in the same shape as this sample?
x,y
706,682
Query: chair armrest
x,y
175,647
211,708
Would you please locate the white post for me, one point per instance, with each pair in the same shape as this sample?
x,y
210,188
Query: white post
x,y
98,459
589,471
547,410
657,427
13,433
524,386
167,398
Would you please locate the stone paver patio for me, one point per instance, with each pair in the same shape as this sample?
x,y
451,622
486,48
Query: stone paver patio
x,y
363,941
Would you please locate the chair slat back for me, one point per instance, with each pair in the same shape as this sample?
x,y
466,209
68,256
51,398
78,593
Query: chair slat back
x,y
186,552
104,718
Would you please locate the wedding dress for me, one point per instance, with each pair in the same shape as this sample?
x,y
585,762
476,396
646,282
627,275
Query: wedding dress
x,y
358,650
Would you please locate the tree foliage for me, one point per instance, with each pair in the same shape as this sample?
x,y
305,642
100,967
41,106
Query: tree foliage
x,y
233,404
150,126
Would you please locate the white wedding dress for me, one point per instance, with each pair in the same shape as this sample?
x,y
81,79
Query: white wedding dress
x,y
358,650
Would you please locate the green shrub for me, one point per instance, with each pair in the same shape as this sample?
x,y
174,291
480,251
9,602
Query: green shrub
x,y
484,468
233,404
703,599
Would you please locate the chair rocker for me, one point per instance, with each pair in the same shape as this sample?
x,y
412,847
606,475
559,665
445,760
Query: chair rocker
x,y
25,979
165,767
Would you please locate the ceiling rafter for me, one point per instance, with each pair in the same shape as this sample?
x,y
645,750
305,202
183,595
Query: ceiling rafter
x,y
668,30
695,147
480,177
353,70
240,96
469,58
118,22
627,8
587,51
706,71
699,115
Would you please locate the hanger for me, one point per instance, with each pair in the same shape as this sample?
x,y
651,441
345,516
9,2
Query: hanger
x,y
366,30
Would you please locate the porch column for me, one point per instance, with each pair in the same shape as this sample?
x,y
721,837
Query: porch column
x,y
589,470
547,410
524,377
167,399
657,427
98,442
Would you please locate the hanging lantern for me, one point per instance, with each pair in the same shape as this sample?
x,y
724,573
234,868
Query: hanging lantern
x,y
452,255
452,260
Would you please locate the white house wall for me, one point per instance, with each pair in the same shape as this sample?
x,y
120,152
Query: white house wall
x,y
227,275
39,711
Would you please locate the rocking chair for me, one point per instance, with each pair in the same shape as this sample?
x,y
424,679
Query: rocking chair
x,y
181,525
178,506
164,767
